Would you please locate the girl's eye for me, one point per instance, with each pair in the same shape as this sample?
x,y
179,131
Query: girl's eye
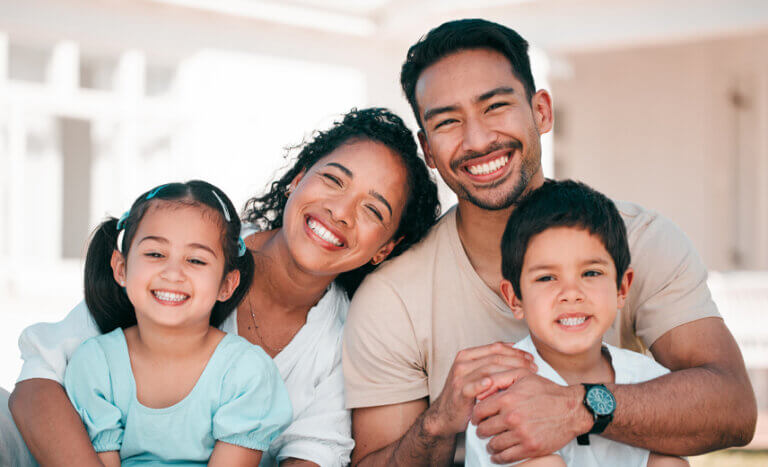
x,y
375,212
334,179
592,273
197,261
153,254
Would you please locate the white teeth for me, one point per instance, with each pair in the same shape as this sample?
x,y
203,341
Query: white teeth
x,y
488,167
323,233
572,321
170,296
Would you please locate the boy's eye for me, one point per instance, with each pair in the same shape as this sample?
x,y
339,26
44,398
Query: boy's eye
x,y
545,278
592,273
333,179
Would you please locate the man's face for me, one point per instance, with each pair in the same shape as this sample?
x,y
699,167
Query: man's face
x,y
480,130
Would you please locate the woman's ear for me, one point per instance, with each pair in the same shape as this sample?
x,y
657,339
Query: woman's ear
x,y
229,285
514,303
384,251
626,282
294,183
118,267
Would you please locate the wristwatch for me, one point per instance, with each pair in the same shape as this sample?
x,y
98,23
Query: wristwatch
x,y
600,403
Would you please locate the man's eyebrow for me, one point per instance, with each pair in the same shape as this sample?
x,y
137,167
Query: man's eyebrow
x,y
431,113
381,198
494,92
342,168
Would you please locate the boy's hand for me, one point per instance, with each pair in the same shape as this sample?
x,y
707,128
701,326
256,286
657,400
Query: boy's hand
x,y
471,375
531,418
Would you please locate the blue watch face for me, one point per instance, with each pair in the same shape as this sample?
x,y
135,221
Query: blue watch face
x,y
601,400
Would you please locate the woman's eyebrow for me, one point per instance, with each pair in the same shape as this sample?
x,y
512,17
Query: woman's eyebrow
x,y
342,168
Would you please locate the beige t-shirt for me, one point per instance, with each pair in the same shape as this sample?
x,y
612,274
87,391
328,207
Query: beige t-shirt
x,y
408,319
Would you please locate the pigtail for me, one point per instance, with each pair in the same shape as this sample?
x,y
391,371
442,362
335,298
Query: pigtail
x,y
107,302
221,310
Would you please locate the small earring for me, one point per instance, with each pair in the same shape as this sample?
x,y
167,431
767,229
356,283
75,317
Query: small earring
x,y
288,191
122,283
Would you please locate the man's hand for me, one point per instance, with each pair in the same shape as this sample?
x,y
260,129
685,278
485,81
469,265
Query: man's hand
x,y
532,417
472,377
407,434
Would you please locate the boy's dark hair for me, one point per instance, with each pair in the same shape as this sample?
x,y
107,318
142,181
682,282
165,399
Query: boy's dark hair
x,y
563,204
465,34
107,301
422,206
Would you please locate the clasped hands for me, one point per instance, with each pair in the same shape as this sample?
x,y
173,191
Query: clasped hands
x,y
496,386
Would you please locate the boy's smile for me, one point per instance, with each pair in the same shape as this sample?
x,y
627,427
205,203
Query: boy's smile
x,y
569,292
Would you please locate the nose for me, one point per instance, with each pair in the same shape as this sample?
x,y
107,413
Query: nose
x,y
477,135
570,292
172,271
342,209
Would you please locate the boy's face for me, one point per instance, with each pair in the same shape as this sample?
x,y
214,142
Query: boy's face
x,y
569,294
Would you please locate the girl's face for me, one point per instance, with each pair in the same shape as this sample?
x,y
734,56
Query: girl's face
x,y
343,212
173,273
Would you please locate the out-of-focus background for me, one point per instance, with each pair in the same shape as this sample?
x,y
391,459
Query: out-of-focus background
x,y
661,102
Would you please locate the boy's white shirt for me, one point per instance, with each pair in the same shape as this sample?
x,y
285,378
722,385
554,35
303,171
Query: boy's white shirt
x,y
629,367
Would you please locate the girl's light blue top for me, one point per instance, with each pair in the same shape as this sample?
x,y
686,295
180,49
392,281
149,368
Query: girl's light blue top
x,y
239,399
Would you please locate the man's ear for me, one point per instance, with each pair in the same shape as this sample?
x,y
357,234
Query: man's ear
x,y
514,303
626,282
229,285
384,251
118,267
541,105
425,149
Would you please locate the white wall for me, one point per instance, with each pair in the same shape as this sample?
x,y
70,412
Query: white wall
x,y
659,126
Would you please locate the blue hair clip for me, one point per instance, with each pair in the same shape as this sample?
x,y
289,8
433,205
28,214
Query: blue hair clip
x,y
155,192
241,247
123,219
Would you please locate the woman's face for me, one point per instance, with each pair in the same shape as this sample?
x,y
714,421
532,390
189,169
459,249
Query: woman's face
x,y
343,212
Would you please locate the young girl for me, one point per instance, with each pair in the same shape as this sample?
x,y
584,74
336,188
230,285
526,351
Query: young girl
x,y
162,384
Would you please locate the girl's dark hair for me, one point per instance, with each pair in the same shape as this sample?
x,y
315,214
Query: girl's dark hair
x,y
375,124
108,302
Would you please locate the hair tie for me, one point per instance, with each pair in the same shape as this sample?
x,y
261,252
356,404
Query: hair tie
x,y
241,249
154,192
223,208
123,219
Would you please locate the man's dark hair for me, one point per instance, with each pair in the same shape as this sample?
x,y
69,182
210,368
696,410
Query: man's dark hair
x,y
563,204
465,34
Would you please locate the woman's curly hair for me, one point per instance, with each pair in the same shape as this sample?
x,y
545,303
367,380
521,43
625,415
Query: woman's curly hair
x,y
376,124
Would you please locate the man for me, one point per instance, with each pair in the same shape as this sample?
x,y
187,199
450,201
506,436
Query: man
x,y
418,341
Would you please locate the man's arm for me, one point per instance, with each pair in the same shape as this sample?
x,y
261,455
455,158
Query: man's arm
x,y
53,431
416,433
706,403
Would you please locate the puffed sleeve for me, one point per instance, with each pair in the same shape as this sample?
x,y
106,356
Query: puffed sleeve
x,y
89,387
321,431
255,407
47,347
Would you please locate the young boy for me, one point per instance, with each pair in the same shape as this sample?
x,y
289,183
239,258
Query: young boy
x,y
565,262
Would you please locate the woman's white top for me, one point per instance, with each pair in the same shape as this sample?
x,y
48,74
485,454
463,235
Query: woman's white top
x,y
310,366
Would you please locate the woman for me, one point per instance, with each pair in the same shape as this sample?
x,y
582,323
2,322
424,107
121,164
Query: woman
x,y
357,194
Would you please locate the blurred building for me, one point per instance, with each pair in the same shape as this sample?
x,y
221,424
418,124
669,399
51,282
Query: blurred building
x,y
662,102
